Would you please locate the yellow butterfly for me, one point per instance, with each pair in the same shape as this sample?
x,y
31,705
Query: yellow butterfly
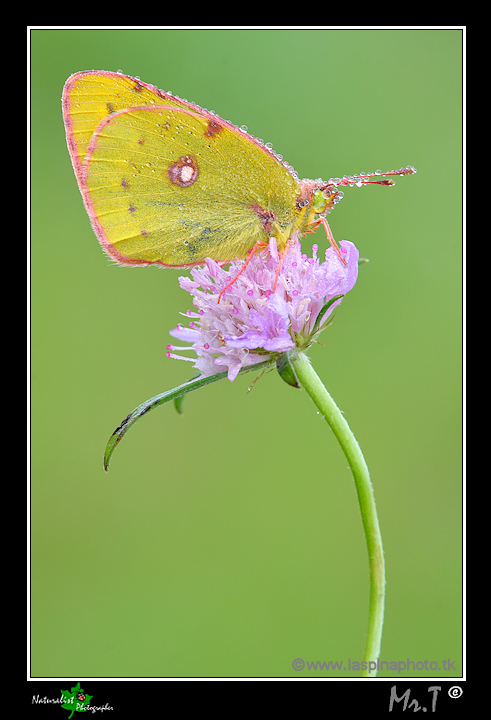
x,y
166,182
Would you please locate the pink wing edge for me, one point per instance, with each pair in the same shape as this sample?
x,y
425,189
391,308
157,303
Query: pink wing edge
x,y
80,169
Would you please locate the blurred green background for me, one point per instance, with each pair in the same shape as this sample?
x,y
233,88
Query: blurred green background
x,y
228,542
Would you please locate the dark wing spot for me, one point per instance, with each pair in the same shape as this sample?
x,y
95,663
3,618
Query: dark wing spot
x,y
267,218
212,129
184,172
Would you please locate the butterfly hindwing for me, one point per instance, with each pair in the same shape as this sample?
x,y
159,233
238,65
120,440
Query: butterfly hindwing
x,y
171,186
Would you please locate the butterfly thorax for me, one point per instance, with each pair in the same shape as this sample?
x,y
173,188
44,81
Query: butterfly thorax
x,y
315,200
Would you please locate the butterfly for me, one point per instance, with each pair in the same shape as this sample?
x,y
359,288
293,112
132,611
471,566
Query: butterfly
x,y
168,183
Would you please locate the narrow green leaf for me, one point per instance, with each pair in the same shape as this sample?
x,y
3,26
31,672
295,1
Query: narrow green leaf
x,y
178,403
162,398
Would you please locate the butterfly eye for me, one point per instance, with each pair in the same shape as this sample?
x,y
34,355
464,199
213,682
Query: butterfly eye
x,y
319,202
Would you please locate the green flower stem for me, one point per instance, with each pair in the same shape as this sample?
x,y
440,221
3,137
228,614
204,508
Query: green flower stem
x,y
311,382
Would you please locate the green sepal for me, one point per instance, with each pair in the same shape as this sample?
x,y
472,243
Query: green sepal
x,y
286,371
322,313
176,394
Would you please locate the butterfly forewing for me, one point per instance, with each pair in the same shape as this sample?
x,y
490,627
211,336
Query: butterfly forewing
x,y
89,97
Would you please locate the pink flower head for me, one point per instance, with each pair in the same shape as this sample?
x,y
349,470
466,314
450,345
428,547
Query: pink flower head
x,y
251,323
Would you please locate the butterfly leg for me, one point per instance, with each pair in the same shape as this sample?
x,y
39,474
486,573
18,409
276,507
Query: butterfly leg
x,y
259,244
332,241
282,260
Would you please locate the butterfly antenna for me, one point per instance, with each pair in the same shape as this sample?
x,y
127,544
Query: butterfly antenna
x,y
360,180
364,178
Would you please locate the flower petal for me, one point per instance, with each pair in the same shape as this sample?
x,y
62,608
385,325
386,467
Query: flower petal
x,y
263,310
